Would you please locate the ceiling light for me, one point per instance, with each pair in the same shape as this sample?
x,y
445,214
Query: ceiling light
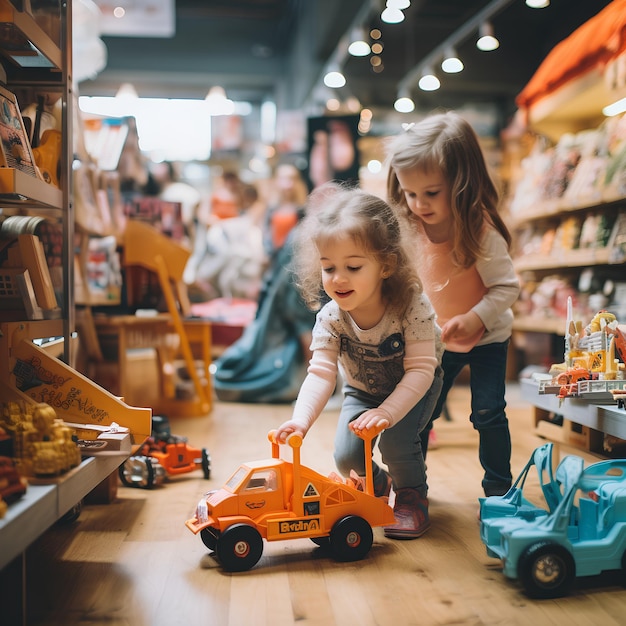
x,y
451,63
218,103
487,40
398,4
358,46
428,81
404,104
126,91
538,4
615,108
334,79
392,16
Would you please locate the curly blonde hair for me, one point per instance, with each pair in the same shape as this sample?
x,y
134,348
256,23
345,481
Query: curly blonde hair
x,y
336,212
446,142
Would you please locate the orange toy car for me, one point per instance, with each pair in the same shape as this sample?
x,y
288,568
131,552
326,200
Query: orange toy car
x,y
162,455
275,499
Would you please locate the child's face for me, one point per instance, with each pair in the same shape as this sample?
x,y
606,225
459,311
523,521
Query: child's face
x,y
427,195
351,276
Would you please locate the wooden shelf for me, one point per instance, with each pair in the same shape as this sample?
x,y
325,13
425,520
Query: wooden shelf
x,y
563,260
20,189
48,54
534,324
42,505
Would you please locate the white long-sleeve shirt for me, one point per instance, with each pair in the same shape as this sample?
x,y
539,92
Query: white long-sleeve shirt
x,y
394,361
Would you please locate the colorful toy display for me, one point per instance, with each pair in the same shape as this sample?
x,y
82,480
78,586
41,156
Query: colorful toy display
x,y
276,499
590,367
582,532
162,455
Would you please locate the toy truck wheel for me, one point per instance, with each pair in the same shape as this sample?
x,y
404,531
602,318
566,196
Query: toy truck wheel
x,y
206,464
546,570
239,548
351,538
137,471
209,537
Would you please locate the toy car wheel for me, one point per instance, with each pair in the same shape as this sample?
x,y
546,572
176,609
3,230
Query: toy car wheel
x,y
546,570
239,548
137,471
209,537
206,463
351,538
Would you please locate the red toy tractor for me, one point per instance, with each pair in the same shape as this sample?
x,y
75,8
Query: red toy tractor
x,y
162,455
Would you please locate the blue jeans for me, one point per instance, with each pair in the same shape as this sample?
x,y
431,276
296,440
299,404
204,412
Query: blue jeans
x,y
487,385
399,446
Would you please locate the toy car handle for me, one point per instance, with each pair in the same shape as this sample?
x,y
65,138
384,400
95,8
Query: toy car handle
x,y
367,434
294,439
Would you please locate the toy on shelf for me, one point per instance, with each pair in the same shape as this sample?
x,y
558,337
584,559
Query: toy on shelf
x,y
12,485
590,368
96,440
162,455
43,445
276,499
582,534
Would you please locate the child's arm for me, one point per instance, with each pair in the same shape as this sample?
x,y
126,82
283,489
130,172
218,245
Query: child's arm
x,y
498,275
420,363
316,389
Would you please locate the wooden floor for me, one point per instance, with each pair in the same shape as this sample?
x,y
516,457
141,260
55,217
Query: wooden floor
x,y
133,562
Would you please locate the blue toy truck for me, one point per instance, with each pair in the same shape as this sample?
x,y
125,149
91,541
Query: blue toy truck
x,y
582,532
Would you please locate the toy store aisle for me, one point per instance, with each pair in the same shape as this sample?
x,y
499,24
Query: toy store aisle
x,y
133,562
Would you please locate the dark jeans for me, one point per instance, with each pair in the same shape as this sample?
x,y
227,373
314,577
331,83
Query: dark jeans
x,y
487,385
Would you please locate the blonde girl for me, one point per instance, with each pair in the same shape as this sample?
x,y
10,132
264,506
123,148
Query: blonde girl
x,y
378,330
439,178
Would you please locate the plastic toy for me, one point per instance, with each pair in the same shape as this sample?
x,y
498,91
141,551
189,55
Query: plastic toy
x,y
12,486
275,499
590,367
583,535
42,444
495,510
162,455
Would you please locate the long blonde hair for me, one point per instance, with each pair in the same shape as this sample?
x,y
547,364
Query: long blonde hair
x,y
446,142
336,212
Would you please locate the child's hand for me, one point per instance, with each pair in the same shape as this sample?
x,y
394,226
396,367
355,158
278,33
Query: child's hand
x,y
461,327
374,418
286,429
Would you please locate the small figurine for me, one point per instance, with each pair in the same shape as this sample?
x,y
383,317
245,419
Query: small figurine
x,y
162,455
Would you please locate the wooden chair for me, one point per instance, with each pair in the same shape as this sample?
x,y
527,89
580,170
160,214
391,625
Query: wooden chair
x,y
146,247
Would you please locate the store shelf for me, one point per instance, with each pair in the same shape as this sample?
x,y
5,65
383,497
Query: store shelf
x,y
20,189
42,505
565,259
606,418
535,324
38,50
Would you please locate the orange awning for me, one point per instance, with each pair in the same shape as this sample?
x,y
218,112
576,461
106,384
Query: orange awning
x,y
597,42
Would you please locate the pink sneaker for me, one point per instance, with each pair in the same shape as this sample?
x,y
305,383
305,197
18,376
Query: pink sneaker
x,y
433,444
411,513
